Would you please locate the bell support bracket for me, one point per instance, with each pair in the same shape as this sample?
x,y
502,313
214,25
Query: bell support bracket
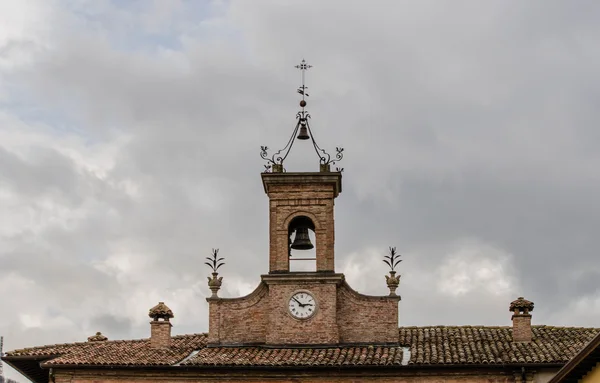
x,y
302,131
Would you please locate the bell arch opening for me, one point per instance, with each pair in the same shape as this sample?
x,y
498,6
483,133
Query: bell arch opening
x,y
302,244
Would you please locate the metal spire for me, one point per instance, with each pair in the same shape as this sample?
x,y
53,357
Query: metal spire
x,y
303,66
275,162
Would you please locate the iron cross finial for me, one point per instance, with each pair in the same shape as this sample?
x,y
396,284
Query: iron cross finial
x,y
303,66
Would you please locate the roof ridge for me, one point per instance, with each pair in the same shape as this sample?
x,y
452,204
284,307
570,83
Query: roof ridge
x,y
452,326
204,334
565,327
338,346
188,335
74,344
496,326
103,342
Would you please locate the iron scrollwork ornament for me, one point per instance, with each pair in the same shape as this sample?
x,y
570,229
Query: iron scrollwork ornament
x,y
275,161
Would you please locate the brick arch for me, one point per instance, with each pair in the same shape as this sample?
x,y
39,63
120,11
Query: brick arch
x,y
313,218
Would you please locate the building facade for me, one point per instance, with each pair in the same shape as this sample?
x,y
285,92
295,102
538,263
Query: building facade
x,y
309,326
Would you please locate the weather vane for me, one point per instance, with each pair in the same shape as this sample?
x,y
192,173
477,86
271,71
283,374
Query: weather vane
x,y
303,66
303,131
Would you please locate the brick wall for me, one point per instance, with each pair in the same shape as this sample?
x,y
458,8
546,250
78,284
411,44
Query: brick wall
x,y
363,318
239,320
342,316
301,194
160,334
313,201
333,375
320,329
522,328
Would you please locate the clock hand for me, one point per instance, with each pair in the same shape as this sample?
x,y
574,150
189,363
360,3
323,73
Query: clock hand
x,y
301,304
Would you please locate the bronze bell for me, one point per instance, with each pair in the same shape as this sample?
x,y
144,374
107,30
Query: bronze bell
x,y
303,135
302,240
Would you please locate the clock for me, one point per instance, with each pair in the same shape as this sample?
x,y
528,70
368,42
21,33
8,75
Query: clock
x,y
302,305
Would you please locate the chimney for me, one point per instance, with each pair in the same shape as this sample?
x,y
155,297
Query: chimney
x,y
97,338
160,327
521,319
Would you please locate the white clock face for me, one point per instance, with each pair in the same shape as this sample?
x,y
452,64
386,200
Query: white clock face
x,y
302,305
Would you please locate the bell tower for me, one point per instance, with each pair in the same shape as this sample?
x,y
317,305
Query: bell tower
x,y
301,202
297,307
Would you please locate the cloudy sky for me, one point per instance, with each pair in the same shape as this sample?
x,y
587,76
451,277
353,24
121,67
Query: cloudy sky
x,y
129,148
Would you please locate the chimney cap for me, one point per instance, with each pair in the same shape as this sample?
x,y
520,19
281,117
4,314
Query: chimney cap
x,y
97,338
521,305
160,311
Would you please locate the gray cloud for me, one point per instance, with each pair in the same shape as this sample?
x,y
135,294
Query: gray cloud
x,y
129,149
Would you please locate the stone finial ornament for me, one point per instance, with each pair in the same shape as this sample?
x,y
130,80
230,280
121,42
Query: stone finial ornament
x,y
392,260
214,262
160,311
97,338
521,306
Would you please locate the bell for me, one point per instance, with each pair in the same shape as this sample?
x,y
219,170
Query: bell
x,y
303,135
302,240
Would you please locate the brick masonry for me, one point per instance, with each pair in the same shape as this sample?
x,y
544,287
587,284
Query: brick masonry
x,y
239,320
320,329
301,194
342,316
362,318
339,376
522,328
160,334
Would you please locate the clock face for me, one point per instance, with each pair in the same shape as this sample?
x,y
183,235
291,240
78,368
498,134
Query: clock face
x,y
302,305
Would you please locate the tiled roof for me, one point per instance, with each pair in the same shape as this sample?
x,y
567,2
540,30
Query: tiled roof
x,y
290,357
116,352
439,345
425,346
580,365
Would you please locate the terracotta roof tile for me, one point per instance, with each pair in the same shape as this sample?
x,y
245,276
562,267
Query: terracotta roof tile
x,y
116,352
290,357
162,311
132,353
521,304
432,345
437,345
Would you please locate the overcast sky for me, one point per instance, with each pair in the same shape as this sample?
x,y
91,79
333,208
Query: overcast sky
x,y
130,134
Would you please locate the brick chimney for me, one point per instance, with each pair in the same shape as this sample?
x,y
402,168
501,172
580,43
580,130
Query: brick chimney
x,y
521,319
160,327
